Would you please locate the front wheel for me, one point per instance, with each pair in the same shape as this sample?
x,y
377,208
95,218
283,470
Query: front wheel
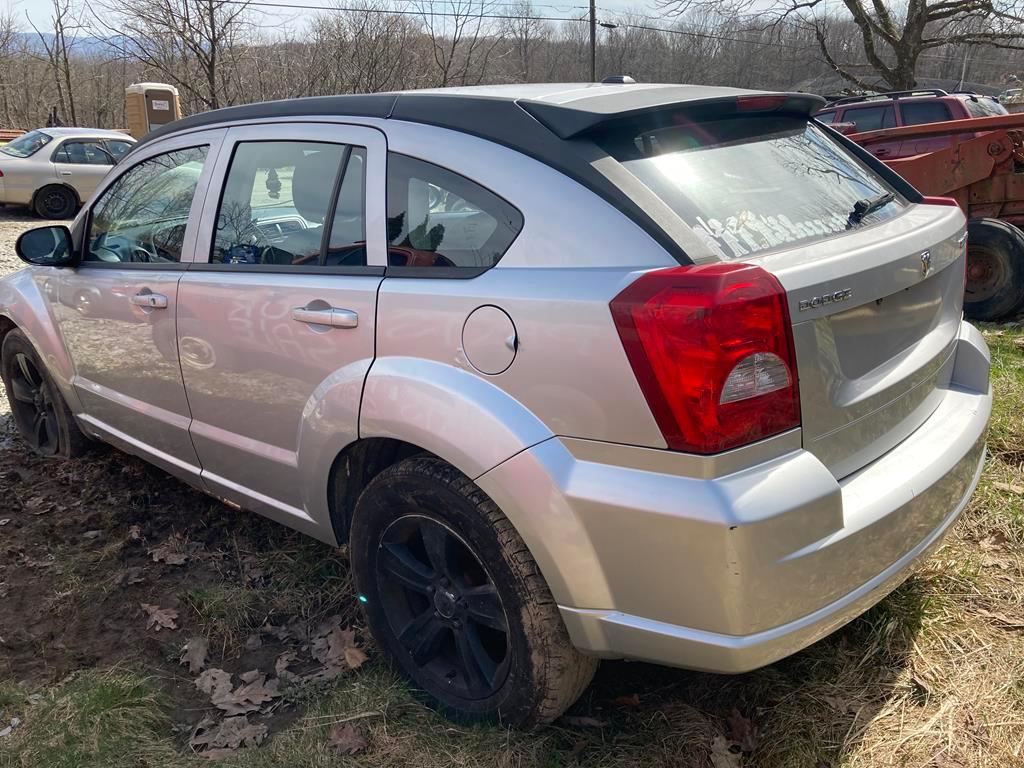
x,y
457,603
995,270
40,413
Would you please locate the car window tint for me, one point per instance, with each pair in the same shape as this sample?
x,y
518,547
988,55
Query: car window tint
x,y
826,117
984,106
83,153
276,199
437,218
920,112
871,118
142,216
118,148
347,244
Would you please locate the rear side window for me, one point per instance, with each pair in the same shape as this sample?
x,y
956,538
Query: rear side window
x,y
921,112
826,117
437,218
750,184
277,201
27,144
871,118
984,106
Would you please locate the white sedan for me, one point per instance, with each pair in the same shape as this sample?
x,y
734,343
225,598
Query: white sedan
x,y
52,170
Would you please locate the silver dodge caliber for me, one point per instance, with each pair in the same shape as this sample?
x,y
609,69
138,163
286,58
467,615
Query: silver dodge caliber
x,y
655,372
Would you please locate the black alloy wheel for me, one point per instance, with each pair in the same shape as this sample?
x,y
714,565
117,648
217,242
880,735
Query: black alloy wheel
x,y
33,406
443,608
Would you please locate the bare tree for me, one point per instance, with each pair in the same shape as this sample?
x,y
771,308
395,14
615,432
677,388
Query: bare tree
x,y
525,34
893,36
67,23
188,42
460,38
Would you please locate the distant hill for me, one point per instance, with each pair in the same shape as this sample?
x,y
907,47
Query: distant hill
x,y
84,44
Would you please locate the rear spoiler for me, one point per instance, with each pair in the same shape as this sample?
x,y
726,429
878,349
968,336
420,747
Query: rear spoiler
x,y
577,118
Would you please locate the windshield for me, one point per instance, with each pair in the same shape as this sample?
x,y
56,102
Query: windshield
x,y
27,144
750,184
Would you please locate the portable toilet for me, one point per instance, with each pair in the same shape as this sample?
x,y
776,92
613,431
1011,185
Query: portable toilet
x,y
150,105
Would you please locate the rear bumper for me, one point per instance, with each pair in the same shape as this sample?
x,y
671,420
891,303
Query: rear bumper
x,y
732,572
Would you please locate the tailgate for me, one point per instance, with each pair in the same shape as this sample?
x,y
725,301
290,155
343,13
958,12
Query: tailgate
x,y
875,314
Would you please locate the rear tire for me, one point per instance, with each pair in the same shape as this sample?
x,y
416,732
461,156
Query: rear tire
x,y
457,603
55,202
43,419
995,270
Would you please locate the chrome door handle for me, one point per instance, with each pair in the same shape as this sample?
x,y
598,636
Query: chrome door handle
x,y
337,318
149,300
65,173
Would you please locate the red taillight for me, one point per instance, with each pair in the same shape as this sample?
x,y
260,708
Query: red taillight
x,y
939,201
712,349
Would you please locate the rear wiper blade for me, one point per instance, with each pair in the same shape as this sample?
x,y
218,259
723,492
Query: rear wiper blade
x,y
868,205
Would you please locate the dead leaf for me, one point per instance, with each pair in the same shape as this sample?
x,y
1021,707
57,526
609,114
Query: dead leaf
x,y
355,657
5,521
38,505
723,754
135,533
285,660
214,682
165,553
347,739
1017,490
336,650
160,618
226,736
252,642
582,721
628,701
194,654
132,576
254,692
742,731
996,541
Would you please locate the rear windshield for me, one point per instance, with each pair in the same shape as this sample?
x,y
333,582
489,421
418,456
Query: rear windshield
x,y
750,184
27,144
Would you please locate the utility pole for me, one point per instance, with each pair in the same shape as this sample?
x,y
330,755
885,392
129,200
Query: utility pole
x,y
593,41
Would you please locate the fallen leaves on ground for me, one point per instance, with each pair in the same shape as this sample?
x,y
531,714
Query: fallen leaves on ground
x,y
171,552
160,618
214,740
582,721
347,739
628,701
194,654
336,649
251,696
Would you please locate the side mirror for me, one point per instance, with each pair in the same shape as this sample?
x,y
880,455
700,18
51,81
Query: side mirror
x,y
47,247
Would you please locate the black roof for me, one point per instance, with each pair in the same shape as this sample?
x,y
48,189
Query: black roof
x,y
553,123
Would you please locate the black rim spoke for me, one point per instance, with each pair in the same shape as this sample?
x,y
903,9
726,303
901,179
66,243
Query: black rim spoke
x,y
28,371
400,564
443,608
39,429
422,637
484,607
22,391
477,666
435,541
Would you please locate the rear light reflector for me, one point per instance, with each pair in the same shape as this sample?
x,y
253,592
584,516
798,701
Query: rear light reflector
x,y
712,349
939,201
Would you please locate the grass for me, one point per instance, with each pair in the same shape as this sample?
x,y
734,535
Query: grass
x,y
931,677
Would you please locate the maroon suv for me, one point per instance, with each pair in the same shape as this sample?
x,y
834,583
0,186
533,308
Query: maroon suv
x,y
888,110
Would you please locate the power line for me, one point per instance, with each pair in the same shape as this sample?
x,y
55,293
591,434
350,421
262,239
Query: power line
x,y
581,18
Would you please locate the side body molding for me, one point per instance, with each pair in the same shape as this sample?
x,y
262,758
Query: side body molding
x,y
453,413
28,298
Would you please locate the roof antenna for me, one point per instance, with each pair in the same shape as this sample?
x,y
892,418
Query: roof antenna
x,y
618,80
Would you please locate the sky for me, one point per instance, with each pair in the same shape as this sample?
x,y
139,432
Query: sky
x,y
40,10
